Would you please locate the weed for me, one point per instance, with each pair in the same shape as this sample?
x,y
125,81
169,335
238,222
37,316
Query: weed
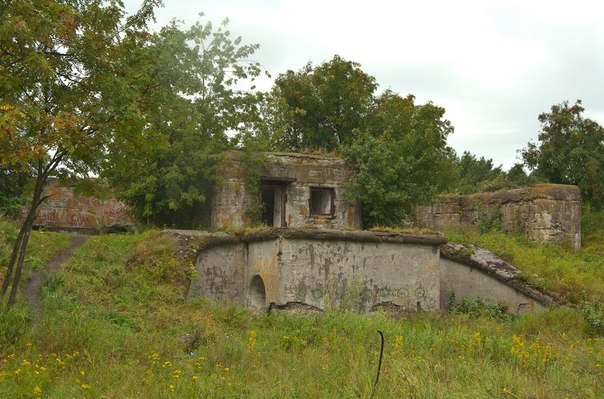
x,y
14,325
116,330
476,307
593,313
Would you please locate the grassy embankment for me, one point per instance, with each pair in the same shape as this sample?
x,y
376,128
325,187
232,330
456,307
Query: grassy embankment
x,y
116,325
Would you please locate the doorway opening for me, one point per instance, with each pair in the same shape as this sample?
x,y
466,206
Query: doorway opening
x,y
273,196
257,295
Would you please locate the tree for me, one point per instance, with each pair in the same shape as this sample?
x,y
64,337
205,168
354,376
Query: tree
x,y
200,73
571,151
323,105
64,93
474,174
402,159
12,185
399,147
518,177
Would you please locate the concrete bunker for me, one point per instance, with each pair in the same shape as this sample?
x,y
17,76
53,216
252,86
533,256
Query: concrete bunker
x,y
321,269
358,270
548,213
296,190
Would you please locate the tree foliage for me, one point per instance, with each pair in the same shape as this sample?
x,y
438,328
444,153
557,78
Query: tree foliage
x,y
570,151
12,184
320,107
197,71
63,92
402,159
473,174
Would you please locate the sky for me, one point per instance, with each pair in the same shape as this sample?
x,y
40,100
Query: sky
x,y
493,65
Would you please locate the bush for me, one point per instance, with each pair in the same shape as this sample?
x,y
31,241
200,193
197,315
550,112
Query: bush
x,y
593,313
476,307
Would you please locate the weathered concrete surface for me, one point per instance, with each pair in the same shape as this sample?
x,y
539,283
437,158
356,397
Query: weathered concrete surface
x,y
320,269
470,271
292,177
66,210
549,213
312,269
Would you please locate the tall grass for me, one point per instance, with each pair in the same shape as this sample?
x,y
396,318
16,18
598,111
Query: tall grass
x,y
43,246
116,325
570,275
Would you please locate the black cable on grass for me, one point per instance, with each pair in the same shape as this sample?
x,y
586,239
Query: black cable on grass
x,y
377,377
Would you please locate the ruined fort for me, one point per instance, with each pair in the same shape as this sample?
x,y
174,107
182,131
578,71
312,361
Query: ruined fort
x,y
547,213
313,253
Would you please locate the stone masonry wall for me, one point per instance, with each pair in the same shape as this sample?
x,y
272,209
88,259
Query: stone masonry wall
x,y
548,213
231,201
66,210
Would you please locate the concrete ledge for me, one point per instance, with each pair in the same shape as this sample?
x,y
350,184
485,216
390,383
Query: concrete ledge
x,y
206,240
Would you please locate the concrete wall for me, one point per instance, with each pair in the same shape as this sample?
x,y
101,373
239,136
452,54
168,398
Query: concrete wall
x,y
64,209
296,174
471,271
318,269
549,213
332,273
465,281
222,276
357,270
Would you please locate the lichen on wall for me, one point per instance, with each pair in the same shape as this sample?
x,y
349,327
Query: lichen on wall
x,y
548,213
294,176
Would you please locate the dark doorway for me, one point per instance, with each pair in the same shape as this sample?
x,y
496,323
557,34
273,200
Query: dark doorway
x,y
273,196
268,205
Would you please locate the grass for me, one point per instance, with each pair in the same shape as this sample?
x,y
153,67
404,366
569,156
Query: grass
x,y
43,246
116,325
567,274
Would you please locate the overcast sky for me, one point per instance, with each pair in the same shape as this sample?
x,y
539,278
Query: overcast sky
x,y
493,65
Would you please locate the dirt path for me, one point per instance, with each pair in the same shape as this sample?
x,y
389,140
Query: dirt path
x,y
33,290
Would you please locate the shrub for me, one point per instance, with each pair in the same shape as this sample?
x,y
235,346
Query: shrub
x,y
476,307
593,313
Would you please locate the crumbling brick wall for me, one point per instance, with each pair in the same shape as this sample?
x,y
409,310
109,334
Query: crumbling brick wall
x,y
66,210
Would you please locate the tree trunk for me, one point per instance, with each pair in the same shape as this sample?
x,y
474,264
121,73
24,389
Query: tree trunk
x,y
11,263
19,249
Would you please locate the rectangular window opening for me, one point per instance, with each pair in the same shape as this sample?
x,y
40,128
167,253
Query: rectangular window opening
x,y
322,201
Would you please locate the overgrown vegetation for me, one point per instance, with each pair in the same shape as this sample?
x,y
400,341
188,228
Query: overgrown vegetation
x,y
556,268
116,324
44,247
570,151
477,307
